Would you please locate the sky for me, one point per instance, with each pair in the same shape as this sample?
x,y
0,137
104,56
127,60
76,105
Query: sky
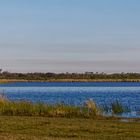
x,y
70,35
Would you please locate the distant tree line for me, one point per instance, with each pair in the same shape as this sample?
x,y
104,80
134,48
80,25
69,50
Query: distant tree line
x,y
57,76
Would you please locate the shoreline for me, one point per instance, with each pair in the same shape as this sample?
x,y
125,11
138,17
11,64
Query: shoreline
x,y
69,80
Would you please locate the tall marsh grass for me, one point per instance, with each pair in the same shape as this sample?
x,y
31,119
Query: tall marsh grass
x,y
26,108
115,107
92,107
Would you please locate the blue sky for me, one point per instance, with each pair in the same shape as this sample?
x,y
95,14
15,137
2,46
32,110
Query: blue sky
x,y
70,35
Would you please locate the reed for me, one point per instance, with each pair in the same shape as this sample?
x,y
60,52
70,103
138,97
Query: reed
x,y
119,108
116,107
88,110
92,107
25,108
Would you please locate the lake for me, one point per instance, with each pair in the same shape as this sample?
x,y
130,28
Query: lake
x,y
76,93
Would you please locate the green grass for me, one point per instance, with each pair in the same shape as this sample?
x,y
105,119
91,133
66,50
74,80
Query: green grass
x,y
44,128
89,110
115,107
118,108
25,108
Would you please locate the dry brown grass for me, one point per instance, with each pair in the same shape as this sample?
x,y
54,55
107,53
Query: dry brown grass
x,y
44,128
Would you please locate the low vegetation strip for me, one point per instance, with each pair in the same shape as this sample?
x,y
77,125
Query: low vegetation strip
x,y
24,108
6,77
4,81
88,110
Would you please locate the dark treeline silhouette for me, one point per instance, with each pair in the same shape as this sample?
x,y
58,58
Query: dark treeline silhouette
x,y
57,76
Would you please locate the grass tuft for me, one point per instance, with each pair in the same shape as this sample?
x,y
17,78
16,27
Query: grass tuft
x,y
115,107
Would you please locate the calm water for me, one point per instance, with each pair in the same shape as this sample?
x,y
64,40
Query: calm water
x,y
76,93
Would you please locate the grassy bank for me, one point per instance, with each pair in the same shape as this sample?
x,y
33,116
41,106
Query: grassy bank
x,y
44,128
22,120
